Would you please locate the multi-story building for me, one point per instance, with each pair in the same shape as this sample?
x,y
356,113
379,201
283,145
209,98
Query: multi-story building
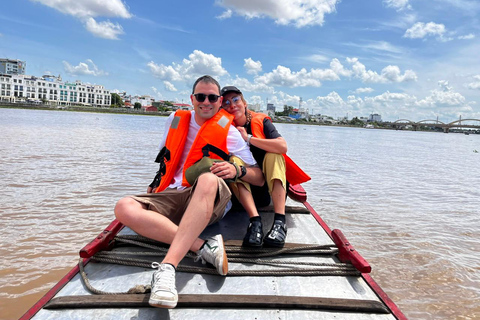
x,y
10,66
375,117
271,107
23,88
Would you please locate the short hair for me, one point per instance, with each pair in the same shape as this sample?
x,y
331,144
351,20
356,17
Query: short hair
x,y
206,79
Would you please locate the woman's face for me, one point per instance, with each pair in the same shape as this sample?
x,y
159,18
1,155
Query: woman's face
x,y
233,104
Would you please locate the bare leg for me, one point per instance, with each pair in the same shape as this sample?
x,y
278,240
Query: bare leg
x,y
155,226
246,200
194,220
278,197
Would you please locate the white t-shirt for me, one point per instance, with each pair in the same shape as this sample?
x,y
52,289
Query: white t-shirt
x,y
235,146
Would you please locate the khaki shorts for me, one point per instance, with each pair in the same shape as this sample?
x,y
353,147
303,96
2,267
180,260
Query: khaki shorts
x,y
172,203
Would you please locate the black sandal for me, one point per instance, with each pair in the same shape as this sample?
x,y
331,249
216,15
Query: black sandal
x,y
277,235
254,235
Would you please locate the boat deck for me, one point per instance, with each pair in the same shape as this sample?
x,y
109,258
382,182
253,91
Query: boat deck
x,y
302,229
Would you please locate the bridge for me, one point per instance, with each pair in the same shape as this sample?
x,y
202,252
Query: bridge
x,y
437,124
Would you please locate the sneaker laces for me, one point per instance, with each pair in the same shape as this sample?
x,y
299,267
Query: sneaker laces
x,y
164,278
200,256
208,252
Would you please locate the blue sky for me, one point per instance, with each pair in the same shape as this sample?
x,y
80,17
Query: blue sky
x,y
399,58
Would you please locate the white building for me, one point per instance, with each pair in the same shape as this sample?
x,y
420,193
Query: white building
x,y
145,101
23,88
10,66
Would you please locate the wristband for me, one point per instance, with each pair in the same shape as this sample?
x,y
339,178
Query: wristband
x,y
248,139
244,172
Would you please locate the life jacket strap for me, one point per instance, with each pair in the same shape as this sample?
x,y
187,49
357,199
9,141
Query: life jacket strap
x,y
219,152
162,156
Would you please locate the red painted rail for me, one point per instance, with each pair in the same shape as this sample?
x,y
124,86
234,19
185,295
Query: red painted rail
x,y
103,240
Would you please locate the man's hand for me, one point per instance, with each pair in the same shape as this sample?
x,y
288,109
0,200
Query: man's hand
x,y
149,189
224,170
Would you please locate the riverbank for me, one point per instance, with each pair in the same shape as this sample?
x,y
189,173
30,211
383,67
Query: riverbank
x,y
147,113
84,109
384,126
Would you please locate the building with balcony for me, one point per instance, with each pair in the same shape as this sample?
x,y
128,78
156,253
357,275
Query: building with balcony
x,y
52,90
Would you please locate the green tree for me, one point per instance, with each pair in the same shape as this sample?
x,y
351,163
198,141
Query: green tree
x,y
287,110
356,122
137,105
117,100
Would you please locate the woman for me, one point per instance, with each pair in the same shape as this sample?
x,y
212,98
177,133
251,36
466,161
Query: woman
x,y
268,148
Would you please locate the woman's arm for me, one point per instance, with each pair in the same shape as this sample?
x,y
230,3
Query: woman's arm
x,y
277,145
274,145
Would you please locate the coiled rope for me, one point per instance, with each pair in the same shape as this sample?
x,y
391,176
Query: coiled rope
x,y
235,254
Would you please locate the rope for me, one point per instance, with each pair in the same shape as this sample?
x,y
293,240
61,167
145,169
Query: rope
x,y
330,270
138,289
235,254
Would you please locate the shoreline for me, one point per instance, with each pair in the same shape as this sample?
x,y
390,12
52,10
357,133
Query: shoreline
x,y
167,113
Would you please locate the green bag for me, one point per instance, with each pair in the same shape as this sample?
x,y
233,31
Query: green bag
x,y
201,166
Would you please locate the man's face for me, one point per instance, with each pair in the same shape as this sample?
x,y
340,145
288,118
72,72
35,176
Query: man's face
x,y
206,109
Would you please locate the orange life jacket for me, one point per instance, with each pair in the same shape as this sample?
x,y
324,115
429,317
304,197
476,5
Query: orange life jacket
x,y
295,175
214,132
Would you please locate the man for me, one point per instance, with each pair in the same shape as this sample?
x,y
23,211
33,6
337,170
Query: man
x,y
176,213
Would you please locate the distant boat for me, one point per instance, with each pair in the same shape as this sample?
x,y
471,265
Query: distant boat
x,y
369,126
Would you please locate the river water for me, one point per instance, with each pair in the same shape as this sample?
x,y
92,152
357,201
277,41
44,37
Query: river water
x,y
409,201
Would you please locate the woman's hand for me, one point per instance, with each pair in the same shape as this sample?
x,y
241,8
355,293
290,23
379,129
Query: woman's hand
x,y
243,132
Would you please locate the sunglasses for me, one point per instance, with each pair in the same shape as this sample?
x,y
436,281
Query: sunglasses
x,y
211,97
234,100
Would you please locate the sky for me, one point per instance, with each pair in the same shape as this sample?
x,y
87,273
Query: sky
x,y
402,59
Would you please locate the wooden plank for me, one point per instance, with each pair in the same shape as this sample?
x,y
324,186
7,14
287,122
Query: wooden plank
x,y
288,209
288,245
221,301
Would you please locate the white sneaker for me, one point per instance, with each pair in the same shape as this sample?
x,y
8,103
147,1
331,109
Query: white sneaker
x,y
214,253
164,293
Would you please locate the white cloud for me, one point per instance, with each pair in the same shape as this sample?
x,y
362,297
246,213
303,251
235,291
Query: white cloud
x,y
89,8
283,76
85,10
104,29
388,74
198,64
300,13
363,90
397,4
247,86
252,67
84,68
443,98
157,93
339,69
476,84
225,15
317,58
169,86
164,72
467,36
421,30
